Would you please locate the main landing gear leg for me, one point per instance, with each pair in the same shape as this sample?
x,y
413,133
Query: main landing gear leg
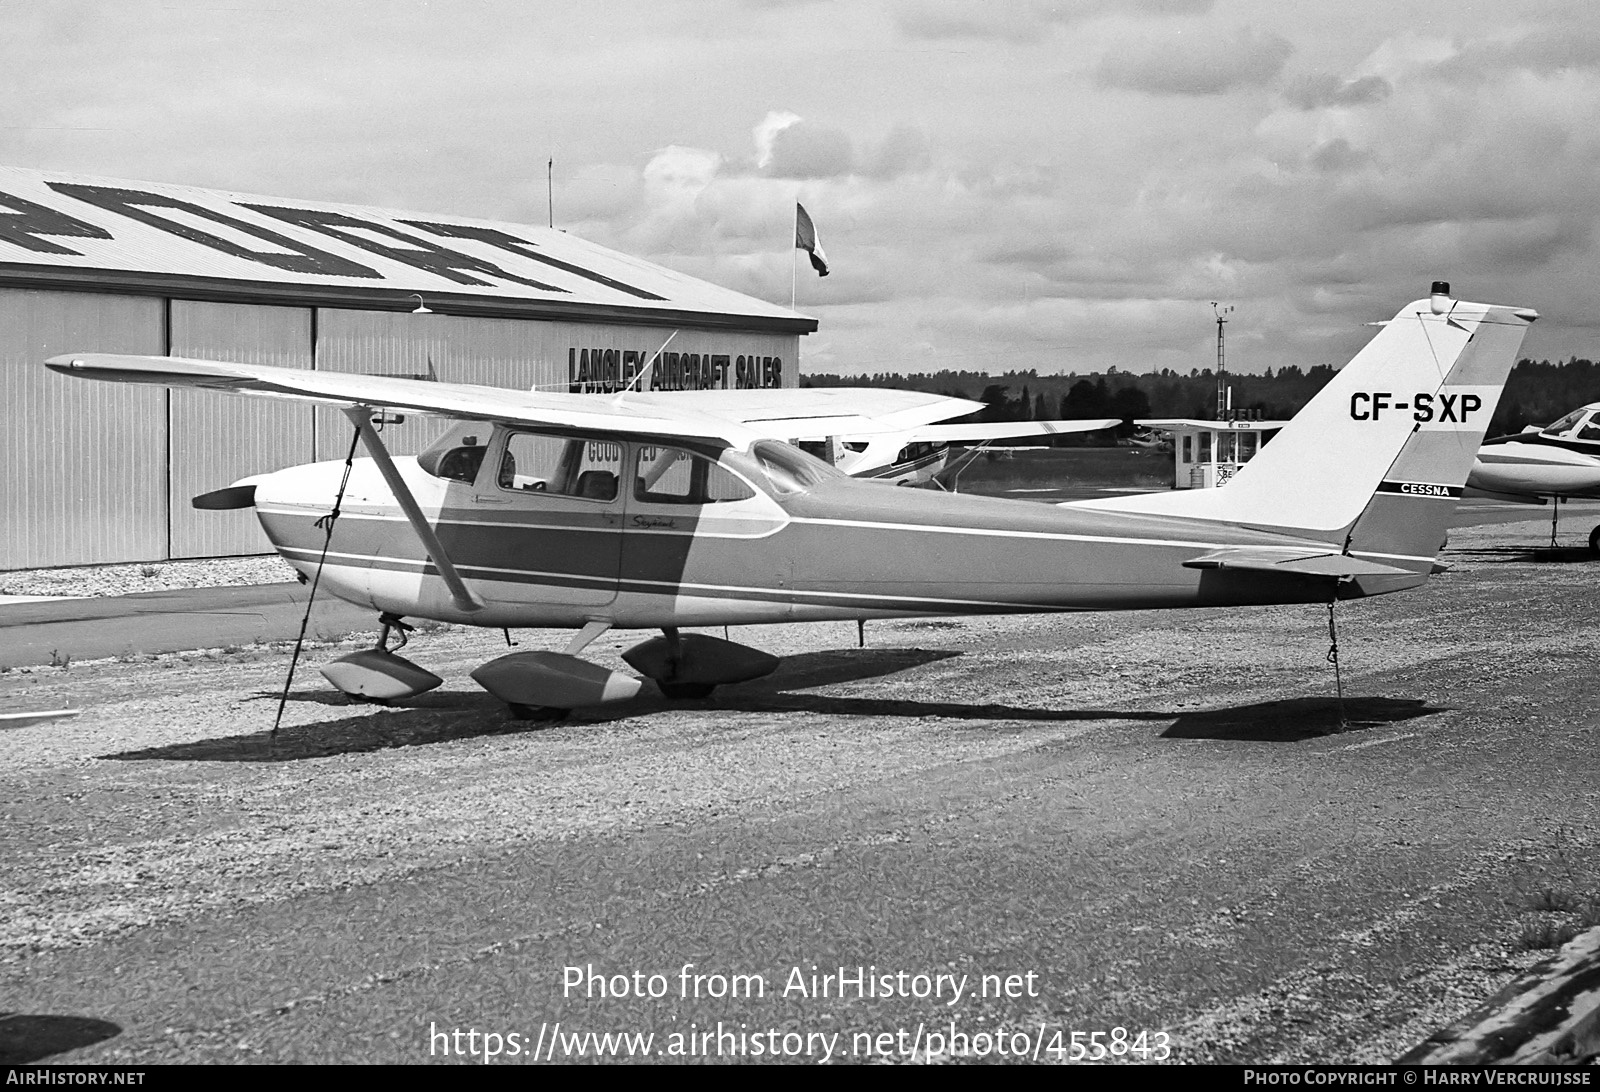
x,y
392,622
682,690
692,665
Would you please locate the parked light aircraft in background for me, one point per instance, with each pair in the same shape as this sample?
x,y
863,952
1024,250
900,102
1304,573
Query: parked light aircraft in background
x,y
1561,461
654,510
914,456
1148,437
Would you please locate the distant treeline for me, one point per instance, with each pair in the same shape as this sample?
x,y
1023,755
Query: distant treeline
x,y
1537,393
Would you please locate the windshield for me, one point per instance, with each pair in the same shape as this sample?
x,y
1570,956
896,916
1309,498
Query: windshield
x,y
457,454
1564,425
788,469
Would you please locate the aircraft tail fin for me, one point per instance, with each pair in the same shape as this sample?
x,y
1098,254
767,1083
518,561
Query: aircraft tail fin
x,y
1376,461
1408,515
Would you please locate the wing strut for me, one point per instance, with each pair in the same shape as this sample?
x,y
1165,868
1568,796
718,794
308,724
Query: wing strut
x,y
463,595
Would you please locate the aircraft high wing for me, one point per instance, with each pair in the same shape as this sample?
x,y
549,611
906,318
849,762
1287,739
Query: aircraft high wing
x,y
1561,461
640,511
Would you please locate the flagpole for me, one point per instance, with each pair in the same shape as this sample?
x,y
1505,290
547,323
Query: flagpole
x,y
794,255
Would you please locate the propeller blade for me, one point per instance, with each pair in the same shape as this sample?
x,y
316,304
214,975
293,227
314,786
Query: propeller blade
x,y
235,496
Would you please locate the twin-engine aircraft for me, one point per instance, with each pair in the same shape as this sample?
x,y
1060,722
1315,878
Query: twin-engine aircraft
x,y
1561,461
667,511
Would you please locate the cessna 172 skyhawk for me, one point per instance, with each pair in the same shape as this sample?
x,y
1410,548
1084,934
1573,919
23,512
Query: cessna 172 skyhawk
x,y
645,511
1560,461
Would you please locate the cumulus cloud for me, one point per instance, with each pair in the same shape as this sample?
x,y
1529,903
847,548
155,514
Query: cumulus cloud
x,y
1022,20
803,150
1196,63
904,151
767,131
1337,155
1324,90
1540,51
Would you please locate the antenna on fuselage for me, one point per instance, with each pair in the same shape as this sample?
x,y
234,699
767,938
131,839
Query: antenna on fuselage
x,y
644,371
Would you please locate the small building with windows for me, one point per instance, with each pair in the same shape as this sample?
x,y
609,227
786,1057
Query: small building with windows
x,y
104,472
1207,453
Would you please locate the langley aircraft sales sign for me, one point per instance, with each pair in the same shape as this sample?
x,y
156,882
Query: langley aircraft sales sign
x,y
72,231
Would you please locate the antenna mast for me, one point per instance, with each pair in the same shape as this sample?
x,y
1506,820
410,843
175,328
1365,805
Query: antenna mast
x,y
1222,390
550,187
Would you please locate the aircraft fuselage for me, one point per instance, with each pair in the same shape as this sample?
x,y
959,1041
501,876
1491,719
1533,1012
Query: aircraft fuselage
x,y
836,549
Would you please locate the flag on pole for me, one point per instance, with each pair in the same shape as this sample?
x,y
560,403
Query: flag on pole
x,y
805,238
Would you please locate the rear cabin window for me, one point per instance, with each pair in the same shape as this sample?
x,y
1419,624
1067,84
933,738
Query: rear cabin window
x,y
669,475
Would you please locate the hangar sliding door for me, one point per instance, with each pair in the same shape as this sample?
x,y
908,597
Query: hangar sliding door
x,y
378,343
85,463
217,439
516,354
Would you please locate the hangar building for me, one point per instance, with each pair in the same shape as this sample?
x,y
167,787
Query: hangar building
x,y
99,472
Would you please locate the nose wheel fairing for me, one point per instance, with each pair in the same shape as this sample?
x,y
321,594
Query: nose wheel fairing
x,y
377,674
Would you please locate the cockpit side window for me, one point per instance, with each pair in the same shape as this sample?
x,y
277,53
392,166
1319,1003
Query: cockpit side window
x,y
561,466
1590,430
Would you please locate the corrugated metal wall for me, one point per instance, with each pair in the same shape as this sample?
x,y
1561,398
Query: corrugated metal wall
x,y
85,464
216,440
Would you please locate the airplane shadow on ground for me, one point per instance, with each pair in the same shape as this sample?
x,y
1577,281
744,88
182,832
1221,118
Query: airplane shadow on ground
x,y
1547,555
444,716
1296,719
27,1038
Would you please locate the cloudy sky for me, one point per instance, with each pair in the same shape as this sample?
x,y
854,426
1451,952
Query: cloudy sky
x,y
999,185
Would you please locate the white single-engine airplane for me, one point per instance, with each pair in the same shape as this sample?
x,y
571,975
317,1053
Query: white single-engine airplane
x,y
1561,461
647,511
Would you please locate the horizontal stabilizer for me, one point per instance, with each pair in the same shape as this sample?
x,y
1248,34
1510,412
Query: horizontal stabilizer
x,y
1473,493
1332,565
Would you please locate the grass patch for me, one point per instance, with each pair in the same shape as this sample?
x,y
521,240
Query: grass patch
x,y
1558,893
1538,936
